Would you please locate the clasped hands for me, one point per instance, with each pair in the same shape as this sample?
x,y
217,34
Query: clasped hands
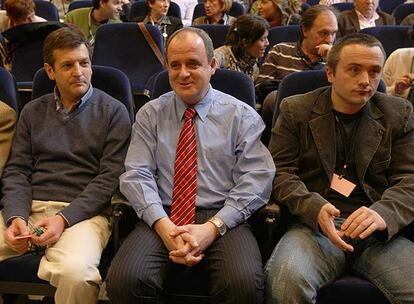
x,y
361,223
18,234
186,244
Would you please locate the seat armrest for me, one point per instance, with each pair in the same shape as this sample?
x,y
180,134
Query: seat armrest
x,y
123,219
265,224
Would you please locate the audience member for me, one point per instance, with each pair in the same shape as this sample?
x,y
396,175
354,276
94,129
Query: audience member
x,y
344,162
22,27
399,72
246,43
88,19
280,12
158,17
18,12
7,127
187,10
318,28
216,13
364,15
64,165
193,189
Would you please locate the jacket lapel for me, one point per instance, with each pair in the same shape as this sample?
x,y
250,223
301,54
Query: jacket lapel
x,y
368,139
322,126
354,20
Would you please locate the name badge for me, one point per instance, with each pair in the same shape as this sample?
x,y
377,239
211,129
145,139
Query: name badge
x,y
342,185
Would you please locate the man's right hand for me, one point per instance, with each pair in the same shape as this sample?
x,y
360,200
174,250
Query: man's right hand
x,y
326,218
403,83
185,242
18,227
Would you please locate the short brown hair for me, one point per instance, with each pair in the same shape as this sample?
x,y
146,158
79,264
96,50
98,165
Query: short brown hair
x,y
97,3
351,39
19,9
310,15
63,38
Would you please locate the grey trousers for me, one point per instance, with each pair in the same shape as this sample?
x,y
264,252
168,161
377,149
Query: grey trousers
x,y
232,264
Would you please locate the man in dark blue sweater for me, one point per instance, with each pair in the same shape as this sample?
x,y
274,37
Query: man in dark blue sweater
x,y
66,158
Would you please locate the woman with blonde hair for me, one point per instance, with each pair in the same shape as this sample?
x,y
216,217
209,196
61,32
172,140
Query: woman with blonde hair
x,y
216,13
280,12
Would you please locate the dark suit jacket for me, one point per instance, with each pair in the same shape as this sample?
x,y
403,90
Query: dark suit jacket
x,y
303,148
348,22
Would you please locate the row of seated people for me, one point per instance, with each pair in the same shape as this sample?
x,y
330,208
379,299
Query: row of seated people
x,y
249,57
247,42
348,203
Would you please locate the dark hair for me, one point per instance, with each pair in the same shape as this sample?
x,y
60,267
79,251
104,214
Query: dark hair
x,y
411,32
208,44
19,9
310,15
351,39
246,29
97,3
153,1
63,38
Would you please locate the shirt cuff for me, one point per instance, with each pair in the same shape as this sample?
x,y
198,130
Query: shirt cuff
x,y
65,219
230,216
153,213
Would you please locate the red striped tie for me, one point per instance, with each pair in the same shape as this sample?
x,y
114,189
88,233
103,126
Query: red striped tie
x,y
185,173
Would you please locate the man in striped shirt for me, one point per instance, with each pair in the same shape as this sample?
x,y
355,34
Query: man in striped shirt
x,y
318,29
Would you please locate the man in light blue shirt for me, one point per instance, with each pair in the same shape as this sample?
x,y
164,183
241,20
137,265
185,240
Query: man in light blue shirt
x,y
234,178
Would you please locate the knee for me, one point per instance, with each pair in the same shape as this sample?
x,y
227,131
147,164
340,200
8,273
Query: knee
x,y
285,284
244,286
129,285
75,272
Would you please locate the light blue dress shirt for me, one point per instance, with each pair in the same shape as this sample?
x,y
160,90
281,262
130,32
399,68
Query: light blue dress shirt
x,y
235,170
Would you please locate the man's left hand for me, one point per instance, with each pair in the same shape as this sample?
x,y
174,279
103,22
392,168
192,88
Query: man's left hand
x,y
52,227
362,223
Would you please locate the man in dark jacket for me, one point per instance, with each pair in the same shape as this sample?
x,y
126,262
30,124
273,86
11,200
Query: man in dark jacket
x,y
345,171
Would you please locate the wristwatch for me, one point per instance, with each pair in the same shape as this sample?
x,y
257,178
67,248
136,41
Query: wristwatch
x,y
220,226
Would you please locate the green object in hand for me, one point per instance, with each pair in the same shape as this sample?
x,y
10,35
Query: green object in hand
x,y
38,231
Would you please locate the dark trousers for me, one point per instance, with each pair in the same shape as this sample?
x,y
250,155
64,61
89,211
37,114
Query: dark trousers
x,y
232,264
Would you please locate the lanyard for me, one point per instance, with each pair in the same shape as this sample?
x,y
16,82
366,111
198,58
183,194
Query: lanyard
x,y
348,143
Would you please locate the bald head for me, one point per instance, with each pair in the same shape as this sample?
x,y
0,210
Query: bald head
x,y
193,32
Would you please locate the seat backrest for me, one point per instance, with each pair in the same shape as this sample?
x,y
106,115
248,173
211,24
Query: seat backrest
x,y
312,2
392,37
309,81
27,54
46,10
234,83
402,11
79,4
141,8
110,80
123,46
217,32
343,6
236,10
388,6
305,6
279,34
8,90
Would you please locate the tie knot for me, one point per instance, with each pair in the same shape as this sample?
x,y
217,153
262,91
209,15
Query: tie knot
x,y
190,113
